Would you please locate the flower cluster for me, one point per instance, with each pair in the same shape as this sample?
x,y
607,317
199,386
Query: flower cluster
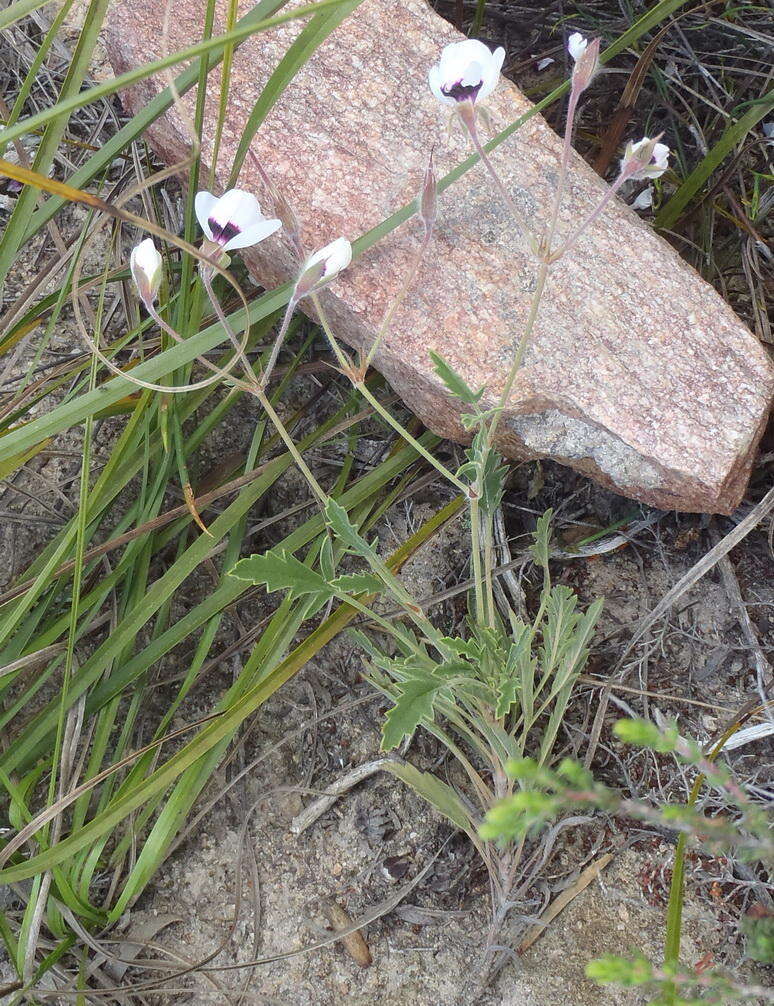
x,y
466,73
232,221
469,71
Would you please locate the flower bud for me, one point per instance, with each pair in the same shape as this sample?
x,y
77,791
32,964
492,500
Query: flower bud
x,y
145,266
428,198
645,159
322,267
586,56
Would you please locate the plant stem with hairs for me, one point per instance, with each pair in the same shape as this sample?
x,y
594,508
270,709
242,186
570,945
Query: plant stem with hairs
x,y
358,382
467,113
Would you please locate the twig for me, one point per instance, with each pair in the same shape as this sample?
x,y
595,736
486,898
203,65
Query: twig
x,y
342,785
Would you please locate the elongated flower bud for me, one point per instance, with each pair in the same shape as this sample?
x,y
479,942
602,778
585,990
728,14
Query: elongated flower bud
x,y
428,198
322,267
145,266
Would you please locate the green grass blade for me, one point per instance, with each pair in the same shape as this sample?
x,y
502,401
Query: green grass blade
x,y
56,124
309,40
16,11
670,213
124,80
212,734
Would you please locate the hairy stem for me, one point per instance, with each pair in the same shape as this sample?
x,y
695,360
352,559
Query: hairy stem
x,y
400,297
589,220
478,581
359,383
468,115
275,351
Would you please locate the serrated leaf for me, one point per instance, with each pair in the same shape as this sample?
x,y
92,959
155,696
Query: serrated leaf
x,y
280,570
413,704
493,476
338,520
468,648
484,468
540,548
513,679
358,583
455,384
559,629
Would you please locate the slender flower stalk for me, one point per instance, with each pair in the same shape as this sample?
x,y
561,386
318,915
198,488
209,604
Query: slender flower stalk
x,y
257,390
427,212
205,272
586,56
318,271
467,73
358,381
145,264
275,349
467,113
213,367
645,159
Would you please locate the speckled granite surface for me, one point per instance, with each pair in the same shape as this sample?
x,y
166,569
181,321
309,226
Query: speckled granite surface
x,y
639,375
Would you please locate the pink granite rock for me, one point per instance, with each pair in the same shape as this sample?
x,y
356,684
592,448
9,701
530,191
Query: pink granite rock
x,y
639,375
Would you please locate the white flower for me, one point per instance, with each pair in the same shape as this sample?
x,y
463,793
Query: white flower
x,y
145,266
467,71
576,45
234,220
323,266
645,159
644,200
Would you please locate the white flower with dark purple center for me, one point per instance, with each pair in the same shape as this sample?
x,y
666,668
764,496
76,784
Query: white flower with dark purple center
x,y
645,159
234,220
323,266
466,71
145,267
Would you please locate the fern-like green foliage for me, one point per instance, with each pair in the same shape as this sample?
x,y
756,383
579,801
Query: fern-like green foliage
x,y
497,681
544,793
670,986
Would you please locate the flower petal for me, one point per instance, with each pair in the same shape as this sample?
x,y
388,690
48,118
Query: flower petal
x,y
492,69
661,155
204,203
238,208
576,45
253,234
339,255
434,80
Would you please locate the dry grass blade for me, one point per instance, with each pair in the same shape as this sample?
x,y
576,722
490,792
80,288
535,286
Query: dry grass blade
x,y
563,900
702,567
